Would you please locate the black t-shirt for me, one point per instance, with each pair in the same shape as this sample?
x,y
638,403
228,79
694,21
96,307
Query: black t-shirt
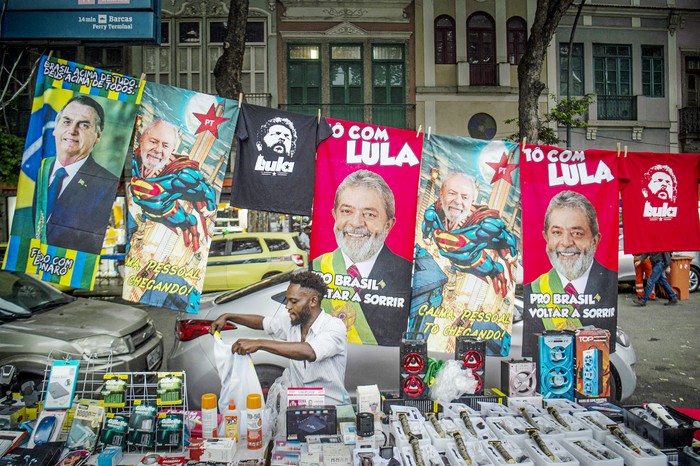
x,y
275,167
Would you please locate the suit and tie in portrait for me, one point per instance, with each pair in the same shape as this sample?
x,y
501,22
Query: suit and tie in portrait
x,y
74,193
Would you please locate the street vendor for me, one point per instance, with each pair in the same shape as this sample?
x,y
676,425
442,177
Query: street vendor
x,y
314,341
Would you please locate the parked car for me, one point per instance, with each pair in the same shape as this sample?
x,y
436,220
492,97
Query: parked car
x,y
193,352
625,267
39,323
240,259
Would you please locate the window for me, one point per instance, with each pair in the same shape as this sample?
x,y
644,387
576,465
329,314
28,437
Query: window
x,y
276,245
576,62
189,55
481,50
445,44
388,86
346,82
156,60
245,246
653,70
612,66
254,71
217,248
304,79
692,77
517,39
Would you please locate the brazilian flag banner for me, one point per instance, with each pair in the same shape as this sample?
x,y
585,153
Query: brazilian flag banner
x,y
77,141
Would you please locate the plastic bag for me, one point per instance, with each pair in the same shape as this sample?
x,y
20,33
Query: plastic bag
x,y
452,381
237,374
274,415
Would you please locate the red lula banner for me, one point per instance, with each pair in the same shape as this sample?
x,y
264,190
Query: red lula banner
x,y
363,223
570,240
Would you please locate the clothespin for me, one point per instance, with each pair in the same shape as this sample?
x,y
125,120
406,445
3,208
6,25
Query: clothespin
x,y
319,116
240,99
430,128
48,57
618,150
625,156
420,127
143,76
524,142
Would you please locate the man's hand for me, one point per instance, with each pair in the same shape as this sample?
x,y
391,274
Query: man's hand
x,y
218,324
668,270
245,346
636,263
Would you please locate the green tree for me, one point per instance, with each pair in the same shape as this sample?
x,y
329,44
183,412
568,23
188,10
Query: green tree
x,y
11,148
530,87
227,74
569,112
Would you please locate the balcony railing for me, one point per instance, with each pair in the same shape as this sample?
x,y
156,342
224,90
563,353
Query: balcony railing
x,y
261,99
689,122
394,115
617,107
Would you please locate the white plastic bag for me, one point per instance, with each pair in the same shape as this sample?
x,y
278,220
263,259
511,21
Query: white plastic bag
x,y
452,381
237,374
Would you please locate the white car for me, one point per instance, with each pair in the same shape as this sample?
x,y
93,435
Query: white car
x,y
193,347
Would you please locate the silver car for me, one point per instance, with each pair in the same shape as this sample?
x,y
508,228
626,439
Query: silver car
x,y
38,323
193,347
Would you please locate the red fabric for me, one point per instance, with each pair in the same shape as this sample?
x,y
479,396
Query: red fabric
x,y
547,170
695,414
659,198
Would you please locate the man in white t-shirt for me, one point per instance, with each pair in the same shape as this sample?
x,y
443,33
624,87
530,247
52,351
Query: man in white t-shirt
x,y
315,342
305,238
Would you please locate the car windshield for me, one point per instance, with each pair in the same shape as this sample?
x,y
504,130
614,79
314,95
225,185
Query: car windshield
x,y
22,295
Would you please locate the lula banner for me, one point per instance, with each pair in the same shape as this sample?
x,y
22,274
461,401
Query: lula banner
x,y
466,243
362,240
77,142
660,195
570,240
182,140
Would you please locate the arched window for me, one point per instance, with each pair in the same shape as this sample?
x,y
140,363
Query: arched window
x,y
445,40
517,39
481,49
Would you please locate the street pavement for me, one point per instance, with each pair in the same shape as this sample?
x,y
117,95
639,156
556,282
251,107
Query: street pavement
x,y
665,339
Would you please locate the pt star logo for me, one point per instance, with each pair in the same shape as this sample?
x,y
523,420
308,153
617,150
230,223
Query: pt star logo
x,y
503,169
210,122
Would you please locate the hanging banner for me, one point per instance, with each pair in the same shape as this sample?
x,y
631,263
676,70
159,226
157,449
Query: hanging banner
x,y
77,142
467,240
181,143
363,218
570,240
274,169
659,195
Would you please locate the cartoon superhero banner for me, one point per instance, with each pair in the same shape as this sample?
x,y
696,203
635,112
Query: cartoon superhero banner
x,y
467,240
77,142
570,240
181,143
362,241
660,195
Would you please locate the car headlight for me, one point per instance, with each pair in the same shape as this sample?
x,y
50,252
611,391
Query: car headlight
x,y
621,338
102,346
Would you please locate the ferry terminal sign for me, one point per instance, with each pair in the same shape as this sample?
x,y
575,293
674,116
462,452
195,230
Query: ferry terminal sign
x,y
84,20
